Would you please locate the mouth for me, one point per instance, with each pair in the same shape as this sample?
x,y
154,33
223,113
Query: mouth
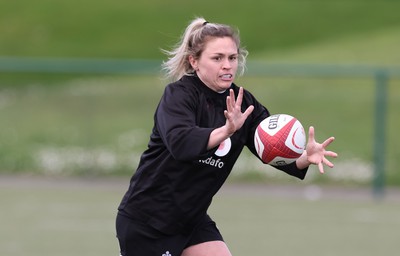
x,y
226,77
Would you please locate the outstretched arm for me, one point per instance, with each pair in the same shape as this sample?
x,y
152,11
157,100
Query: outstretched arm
x,y
316,153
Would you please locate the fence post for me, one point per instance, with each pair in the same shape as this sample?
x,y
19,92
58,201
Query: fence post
x,y
381,80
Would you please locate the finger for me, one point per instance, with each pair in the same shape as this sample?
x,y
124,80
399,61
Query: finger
x,y
328,163
239,97
311,134
331,154
321,167
228,103
328,141
226,114
232,96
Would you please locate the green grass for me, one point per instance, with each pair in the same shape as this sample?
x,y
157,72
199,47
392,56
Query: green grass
x,y
138,29
96,126
373,48
58,222
99,114
272,226
68,124
65,218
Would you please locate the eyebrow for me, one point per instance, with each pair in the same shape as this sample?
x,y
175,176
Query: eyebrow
x,y
222,54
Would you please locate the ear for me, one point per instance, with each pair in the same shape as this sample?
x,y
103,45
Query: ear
x,y
193,62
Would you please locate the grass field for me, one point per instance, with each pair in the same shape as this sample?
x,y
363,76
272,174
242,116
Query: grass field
x,y
56,125
134,29
96,126
63,217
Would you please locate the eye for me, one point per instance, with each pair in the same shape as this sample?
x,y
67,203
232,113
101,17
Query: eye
x,y
234,57
217,58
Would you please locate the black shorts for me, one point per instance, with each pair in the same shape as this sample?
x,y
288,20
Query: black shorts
x,y
138,239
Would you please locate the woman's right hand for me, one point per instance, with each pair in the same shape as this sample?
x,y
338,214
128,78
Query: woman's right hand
x,y
234,119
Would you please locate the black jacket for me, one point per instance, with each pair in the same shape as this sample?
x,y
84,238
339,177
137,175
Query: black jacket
x,y
177,176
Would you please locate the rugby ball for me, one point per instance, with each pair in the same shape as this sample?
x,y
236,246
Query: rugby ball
x,y
279,139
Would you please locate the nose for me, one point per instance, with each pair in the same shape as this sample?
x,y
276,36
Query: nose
x,y
226,64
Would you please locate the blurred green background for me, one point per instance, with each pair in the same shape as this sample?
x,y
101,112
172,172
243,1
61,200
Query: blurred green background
x,y
95,125
138,29
98,124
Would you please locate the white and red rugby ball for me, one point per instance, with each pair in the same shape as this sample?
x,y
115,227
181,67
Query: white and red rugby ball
x,y
279,139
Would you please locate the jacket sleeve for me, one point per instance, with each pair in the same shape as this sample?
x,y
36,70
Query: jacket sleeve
x,y
176,123
292,170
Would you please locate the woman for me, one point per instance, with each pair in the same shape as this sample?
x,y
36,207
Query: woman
x,y
201,125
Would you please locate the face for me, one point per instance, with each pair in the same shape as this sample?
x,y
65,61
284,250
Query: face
x,y
218,63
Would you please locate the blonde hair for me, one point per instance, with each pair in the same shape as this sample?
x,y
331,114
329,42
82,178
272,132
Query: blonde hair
x,y
192,43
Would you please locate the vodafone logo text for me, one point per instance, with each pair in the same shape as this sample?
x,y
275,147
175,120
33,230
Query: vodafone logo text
x,y
211,161
222,150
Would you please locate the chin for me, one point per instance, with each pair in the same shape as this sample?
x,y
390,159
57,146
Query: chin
x,y
226,85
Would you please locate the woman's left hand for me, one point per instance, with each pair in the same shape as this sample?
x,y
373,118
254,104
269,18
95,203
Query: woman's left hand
x,y
316,153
